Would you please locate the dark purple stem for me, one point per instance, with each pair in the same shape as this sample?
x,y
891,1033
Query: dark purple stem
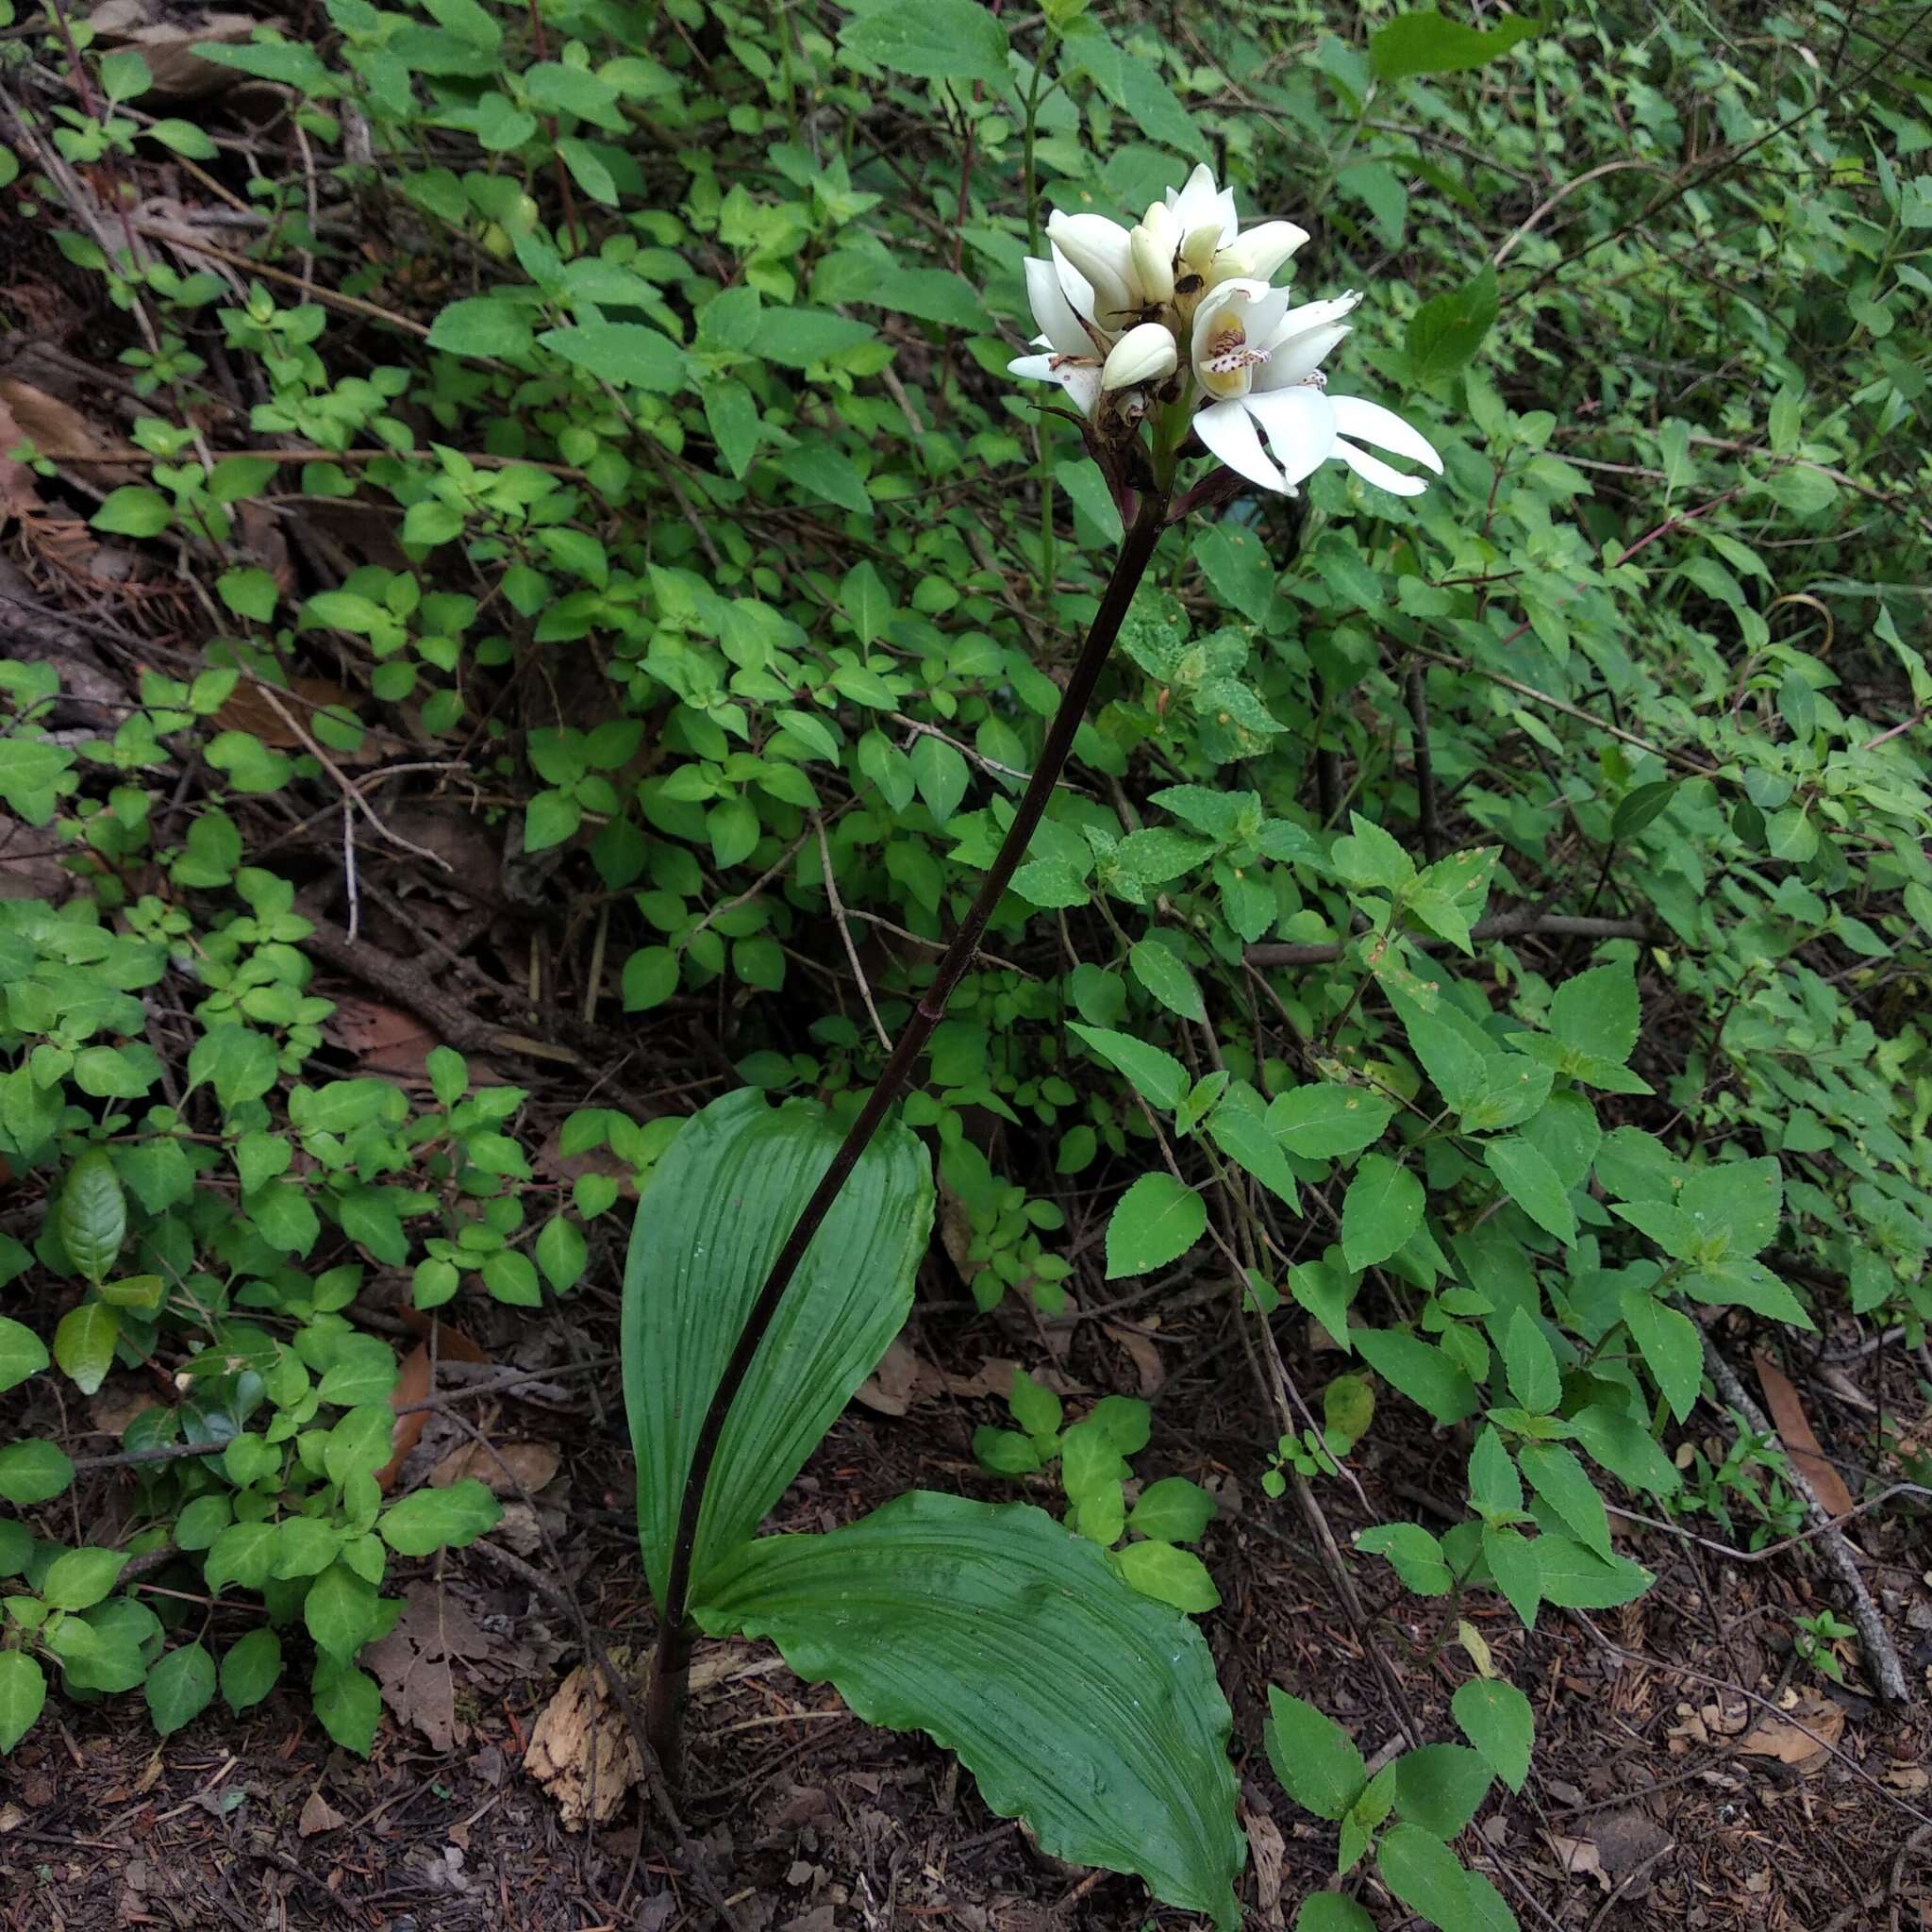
x,y
671,1663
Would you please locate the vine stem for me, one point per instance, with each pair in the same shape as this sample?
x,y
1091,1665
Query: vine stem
x,y
670,1661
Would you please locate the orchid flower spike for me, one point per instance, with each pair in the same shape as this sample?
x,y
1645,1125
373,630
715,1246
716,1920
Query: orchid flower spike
x,y
1176,314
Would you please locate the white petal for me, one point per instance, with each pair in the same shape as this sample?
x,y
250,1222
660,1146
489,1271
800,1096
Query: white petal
x,y
1052,311
1144,354
1081,381
1300,426
1264,249
1229,216
1228,430
1160,224
1313,315
1034,368
1370,422
1101,251
1299,357
1374,470
1197,202
1153,266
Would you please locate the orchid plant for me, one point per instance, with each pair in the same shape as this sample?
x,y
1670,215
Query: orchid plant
x,y
1176,322
760,1290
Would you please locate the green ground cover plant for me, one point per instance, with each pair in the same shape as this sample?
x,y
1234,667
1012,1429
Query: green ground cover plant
x,y
1484,932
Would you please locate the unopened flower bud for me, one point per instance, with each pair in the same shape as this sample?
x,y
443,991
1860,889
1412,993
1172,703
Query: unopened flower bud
x,y
1144,354
1153,266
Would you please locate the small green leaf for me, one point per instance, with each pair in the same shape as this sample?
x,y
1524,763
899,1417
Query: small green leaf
x,y
1035,1408
1162,973
1671,1345
1169,1574
1516,1569
1532,1183
1497,1718
932,39
624,353
348,1703
1597,1013
1414,1555
133,511
1420,1370
179,1688
1156,1221
1154,1075
23,1694
481,325
93,1221
1562,1481
1428,1878
561,1252
1382,1208
1330,1911
78,1579
1172,1510
430,1520
21,1353
1425,41
1446,331
1313,1757
250,1668
33,1473
1441,1786
339,1610
1535,1380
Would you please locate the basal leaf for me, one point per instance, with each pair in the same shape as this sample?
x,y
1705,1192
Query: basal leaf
x,y
719,1206
1078,1704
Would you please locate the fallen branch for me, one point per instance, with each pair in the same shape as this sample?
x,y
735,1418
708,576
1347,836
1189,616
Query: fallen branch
x,y
1503,925
1881,1659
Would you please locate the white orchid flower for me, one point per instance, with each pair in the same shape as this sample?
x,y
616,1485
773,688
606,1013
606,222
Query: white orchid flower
x,y
1176,312
1259,362
1062,302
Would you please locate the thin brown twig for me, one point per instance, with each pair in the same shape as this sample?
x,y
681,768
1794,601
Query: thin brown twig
x,y
832,899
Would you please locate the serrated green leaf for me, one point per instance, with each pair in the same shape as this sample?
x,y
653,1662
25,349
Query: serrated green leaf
x,y
1382,1208
250,1668
1316,1760
1156,1221
1497,1718
1530,1362
1531,1182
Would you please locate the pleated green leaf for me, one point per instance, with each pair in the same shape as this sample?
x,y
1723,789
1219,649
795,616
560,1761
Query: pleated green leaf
x,y
718,1208
1079,1705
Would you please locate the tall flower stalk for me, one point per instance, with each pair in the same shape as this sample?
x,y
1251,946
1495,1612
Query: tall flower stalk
x,y
1166,337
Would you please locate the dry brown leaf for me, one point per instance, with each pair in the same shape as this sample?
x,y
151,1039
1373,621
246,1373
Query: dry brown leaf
x,y
1579,1857
248,709
1800,1740
118,1401
412,1384
1270,1851
59,432
1144,1356
1801,1441
581,1750
502,1465
415,1663
890,1387
179,73
319,1815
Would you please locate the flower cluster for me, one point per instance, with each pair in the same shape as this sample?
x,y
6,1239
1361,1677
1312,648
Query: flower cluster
x,y
1177,314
